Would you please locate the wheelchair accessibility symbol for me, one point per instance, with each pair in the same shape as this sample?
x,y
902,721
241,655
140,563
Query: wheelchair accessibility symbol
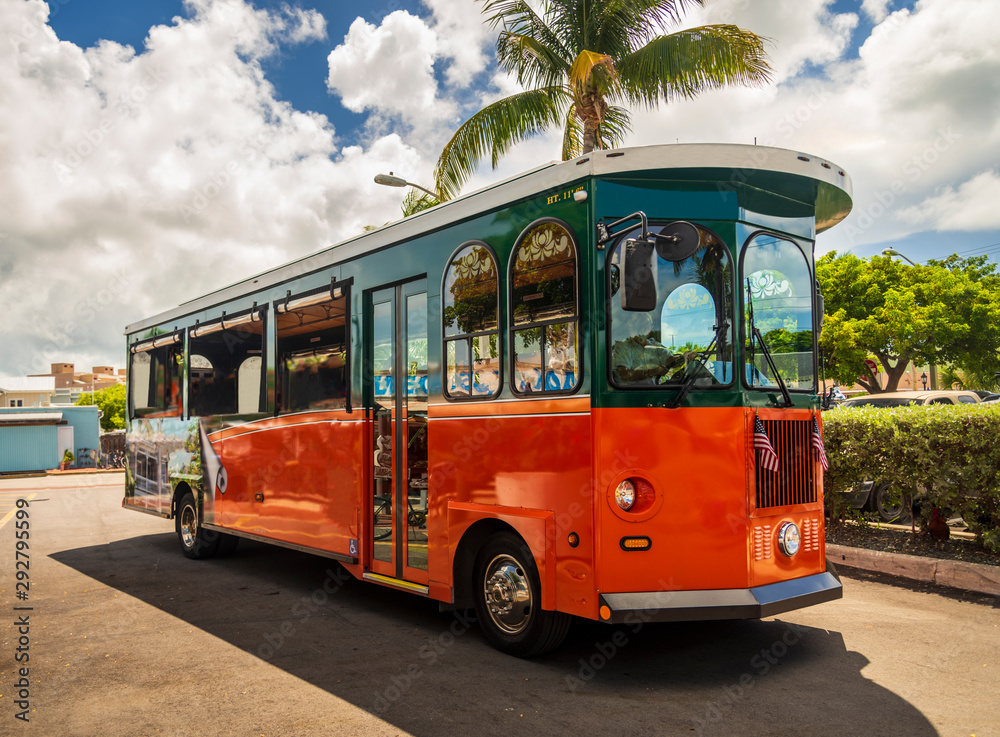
x,y
353,548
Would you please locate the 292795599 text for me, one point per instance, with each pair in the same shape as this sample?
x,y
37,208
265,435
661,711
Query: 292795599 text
x,y
22,613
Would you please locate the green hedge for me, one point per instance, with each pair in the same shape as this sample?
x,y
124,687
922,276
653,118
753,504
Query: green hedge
x,y
948,453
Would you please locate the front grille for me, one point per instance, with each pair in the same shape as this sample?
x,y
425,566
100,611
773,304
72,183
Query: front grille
x,y
794,482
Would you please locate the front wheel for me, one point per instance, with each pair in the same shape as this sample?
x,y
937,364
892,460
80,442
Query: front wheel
x,y
509,600
196,542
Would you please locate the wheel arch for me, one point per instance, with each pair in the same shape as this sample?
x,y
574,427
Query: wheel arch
x,y
478,523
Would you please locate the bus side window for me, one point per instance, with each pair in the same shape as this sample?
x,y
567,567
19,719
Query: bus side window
x,y
471,324
217,382
545,310
313,354
155,377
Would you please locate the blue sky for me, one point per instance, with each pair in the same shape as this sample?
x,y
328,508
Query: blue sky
x,y
152,150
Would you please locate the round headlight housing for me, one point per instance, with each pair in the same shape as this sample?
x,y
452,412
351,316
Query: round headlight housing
x,y
625,495
789,539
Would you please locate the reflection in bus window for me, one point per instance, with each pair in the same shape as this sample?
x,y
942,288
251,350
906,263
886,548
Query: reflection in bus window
x,y
663,346
544,311
221,380
471,326
155,377
778,289
312,353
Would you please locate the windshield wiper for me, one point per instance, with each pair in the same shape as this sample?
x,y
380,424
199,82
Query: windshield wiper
x,y
689,378
755,333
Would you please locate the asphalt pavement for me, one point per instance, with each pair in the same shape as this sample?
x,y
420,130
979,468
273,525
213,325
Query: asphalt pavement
x,y
127,637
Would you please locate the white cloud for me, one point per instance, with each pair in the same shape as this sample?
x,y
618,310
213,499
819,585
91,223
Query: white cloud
x,y
389,68
803,32
970,206
134,181
876,10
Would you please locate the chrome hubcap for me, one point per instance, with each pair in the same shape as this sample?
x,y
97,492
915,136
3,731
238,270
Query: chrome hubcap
x,y
189,526
508,594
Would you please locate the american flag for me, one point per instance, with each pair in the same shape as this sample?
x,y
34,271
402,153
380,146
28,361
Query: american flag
x,y
817,442
767,457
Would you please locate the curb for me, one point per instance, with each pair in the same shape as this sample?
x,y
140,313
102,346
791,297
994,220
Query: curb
x,y
975,577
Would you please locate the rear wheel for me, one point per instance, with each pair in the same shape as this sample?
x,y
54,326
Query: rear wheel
x,y
196,542
509,600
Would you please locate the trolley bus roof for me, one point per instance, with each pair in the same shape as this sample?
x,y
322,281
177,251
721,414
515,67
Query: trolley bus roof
x,y
791,174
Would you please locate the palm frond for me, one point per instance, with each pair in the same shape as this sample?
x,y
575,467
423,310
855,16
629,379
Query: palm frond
x,y
587,69
572,145
532,63
493,130
615,127
527,46
685,63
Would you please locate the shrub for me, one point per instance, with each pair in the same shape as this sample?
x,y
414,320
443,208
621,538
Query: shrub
x,y
948,454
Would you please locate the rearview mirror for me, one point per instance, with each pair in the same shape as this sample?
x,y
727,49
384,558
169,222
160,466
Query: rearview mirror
x,y
639,286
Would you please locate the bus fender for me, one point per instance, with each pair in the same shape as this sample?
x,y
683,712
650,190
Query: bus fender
x,y
536,527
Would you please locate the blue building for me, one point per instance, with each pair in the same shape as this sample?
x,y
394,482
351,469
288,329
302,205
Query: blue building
x,y
35,438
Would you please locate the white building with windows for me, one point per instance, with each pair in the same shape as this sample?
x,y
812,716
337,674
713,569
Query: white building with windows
x,y
27,391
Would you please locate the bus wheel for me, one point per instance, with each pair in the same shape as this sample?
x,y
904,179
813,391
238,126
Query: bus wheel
x,y
509,600
196,542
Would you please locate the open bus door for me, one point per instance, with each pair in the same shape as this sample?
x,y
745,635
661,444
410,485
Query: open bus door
x,y
396,384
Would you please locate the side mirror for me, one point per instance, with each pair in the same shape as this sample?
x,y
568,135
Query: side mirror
x,y
639,286
677,241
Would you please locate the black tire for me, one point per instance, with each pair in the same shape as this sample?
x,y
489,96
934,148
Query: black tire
x,y
888,509
509,600
196,542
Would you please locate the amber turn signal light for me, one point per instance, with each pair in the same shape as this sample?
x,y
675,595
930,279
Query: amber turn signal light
x,y
636,543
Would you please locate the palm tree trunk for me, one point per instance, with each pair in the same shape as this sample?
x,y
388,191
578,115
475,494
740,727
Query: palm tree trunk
x,y
590,109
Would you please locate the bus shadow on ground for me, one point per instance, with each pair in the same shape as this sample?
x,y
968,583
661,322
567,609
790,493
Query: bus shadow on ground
x,y
399,658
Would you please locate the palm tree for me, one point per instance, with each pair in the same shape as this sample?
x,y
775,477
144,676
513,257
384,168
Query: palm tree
x,y
580,60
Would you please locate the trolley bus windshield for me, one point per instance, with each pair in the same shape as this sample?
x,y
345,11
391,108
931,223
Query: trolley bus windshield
x,y
778,309
685,334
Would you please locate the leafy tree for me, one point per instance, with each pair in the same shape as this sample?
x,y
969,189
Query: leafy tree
x,y
111,402
580,60
943,312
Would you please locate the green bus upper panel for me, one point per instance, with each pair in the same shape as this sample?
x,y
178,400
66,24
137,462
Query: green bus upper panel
x,y
770,181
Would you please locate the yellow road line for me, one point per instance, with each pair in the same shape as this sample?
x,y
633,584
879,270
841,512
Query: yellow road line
x,y
7,517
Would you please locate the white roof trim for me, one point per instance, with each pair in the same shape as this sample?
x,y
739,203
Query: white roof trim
x,y
740,159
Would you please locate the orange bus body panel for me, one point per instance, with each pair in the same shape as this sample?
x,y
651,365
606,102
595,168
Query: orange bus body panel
x,y
535,463
308,470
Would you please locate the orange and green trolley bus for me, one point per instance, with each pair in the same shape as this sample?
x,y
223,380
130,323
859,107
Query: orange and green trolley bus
x,y
586,391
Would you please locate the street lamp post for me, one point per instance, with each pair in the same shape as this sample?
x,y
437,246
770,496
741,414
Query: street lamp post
x,y
923,378
392,181
894,252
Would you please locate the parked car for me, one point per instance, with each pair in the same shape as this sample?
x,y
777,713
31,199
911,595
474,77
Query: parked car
x,y
991,398
904,399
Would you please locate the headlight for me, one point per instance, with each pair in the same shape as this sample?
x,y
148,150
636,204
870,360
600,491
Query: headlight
x,y
625,495
788,539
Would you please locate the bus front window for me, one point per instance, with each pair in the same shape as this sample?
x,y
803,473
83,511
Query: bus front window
x,y
777,306
686,329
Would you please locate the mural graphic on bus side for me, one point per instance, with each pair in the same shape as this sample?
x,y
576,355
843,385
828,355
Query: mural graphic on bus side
x,y
165,452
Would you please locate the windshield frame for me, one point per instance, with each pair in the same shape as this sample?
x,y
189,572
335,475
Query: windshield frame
x,y
742,316
728,311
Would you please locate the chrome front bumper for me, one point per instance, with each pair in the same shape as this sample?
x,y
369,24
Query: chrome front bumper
x,y
760,601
